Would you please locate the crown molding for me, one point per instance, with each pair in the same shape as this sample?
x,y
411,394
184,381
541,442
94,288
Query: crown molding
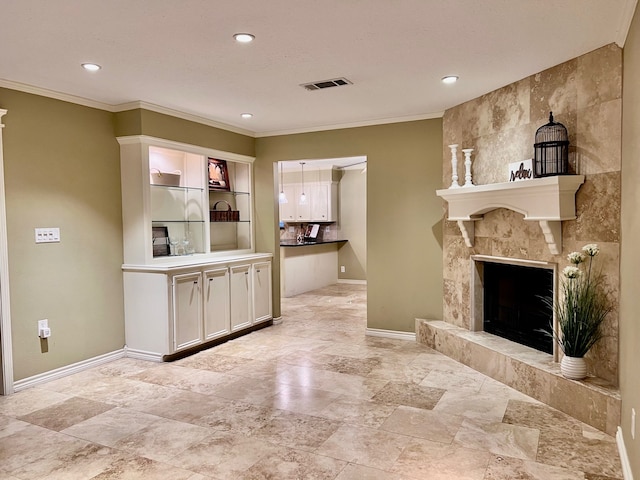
x,y
626,17
183,115
86,102
122,107
337,126
65,97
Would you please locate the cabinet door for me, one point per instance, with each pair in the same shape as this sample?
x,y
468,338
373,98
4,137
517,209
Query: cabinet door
x,y
319,202
187,310
217,319
240,297
288,210
262,292
303,212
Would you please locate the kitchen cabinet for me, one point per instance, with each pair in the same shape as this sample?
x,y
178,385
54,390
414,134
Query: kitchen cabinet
x,y
321,204
171,308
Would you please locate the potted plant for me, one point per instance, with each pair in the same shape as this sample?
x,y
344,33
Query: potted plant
x,y
582,307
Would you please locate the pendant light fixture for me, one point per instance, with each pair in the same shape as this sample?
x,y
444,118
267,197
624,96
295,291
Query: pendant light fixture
x,y
282,198
303,197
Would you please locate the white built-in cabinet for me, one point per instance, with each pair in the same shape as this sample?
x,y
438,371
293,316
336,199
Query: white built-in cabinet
x,y
201,280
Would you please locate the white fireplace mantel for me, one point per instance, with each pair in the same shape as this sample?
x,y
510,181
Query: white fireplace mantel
x,y
547,200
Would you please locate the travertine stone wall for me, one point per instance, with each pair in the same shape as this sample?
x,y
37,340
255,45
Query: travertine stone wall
x,y
584,95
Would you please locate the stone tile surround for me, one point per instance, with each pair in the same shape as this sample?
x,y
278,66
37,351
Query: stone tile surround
x,y
585,94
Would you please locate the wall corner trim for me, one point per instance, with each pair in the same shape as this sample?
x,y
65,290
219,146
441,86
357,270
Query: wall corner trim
x,y
624,458
626,17
68,370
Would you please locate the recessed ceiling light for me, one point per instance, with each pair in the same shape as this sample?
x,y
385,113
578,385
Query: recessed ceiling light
x,y
246,115
92,67
450,79
244,37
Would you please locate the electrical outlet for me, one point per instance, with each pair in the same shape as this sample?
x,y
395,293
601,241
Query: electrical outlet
x,y
633,423
327,229
343,269
43,328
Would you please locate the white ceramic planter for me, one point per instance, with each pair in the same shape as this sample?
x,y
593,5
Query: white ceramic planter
x,y
574,368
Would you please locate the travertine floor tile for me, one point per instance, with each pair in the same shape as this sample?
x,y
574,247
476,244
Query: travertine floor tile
x,y
297,430
111,426
355,411
365,446
65,414
310,398
290,464
506,468
409,394
224,455
421,423
163,439
440,461
499,438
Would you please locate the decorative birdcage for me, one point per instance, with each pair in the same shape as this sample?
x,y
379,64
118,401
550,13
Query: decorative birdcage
x,y
551,146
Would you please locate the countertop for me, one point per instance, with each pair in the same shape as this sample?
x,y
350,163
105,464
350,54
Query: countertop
x,y
294,243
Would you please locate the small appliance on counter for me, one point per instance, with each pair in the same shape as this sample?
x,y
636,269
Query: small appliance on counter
x,y
311,234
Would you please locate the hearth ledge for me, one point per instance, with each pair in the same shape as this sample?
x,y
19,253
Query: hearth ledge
x,y
529,371
547,200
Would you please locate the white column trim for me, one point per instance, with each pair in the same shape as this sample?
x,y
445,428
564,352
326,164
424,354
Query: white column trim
x,y
5,310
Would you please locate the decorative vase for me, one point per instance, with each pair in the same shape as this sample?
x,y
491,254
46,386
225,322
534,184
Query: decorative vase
x,y
574,368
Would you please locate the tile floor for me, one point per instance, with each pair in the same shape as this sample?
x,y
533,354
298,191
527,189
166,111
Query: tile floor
x,y
311,398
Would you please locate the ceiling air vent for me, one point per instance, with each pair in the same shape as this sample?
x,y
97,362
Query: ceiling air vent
x,y
336,82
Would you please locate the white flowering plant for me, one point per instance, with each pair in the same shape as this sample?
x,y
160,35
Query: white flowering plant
x,y
583,304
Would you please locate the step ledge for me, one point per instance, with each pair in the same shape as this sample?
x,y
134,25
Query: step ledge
x,y
602,407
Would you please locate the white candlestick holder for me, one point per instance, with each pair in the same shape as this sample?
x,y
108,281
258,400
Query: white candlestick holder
x,y
454,166
467,167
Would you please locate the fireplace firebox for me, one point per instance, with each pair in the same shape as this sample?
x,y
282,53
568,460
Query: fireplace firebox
x,y
513,304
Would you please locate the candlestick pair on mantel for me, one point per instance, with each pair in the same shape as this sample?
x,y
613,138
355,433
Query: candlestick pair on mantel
x,y
454,167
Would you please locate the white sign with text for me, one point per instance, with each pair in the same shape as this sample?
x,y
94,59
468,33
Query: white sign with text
x,y
522,170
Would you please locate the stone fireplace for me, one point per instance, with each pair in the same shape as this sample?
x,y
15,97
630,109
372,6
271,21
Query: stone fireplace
x,y
585,95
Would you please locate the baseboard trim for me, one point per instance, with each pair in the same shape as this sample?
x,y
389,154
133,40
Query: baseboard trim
x,y
67,370
142,355
277,320
395,334
353,282
624,458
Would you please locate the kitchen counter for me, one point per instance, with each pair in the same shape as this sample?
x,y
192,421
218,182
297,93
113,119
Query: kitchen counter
x,y
308,266
294,243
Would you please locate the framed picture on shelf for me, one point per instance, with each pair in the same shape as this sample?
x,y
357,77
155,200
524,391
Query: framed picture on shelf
x,y
218,175
160,241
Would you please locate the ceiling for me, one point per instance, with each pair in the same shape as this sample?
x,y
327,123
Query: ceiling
x,y
180,56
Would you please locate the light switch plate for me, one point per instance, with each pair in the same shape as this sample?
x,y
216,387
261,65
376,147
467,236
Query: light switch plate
x,y
47,235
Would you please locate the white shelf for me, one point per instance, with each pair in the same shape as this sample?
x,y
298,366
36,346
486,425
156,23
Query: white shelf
x,y
548,201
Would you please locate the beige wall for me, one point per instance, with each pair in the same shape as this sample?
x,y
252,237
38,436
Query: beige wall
x,y
137,122
630,255
353,224
62,169
403,214
585,95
